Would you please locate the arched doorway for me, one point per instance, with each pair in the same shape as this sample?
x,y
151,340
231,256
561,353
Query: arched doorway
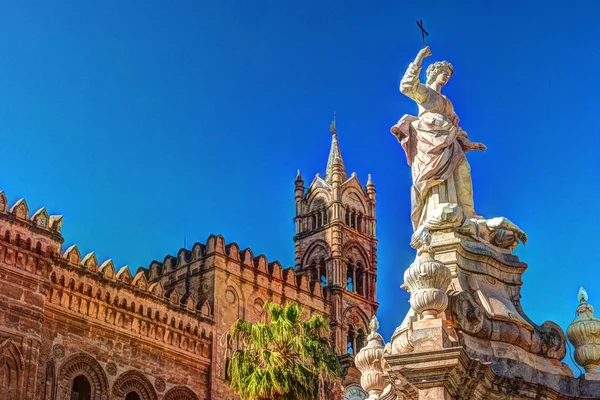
x,y
180,393
85,366
132,396
11,371
133,385
81,388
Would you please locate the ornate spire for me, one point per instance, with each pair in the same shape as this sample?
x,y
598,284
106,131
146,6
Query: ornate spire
x,y
335,162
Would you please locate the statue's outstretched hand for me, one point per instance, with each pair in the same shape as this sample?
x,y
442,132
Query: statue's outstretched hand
x,y
477,146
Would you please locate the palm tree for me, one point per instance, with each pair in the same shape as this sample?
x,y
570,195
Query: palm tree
x,y
283,357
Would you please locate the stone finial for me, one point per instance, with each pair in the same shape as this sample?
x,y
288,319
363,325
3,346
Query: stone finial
x,y
427,280
583,334
371,364
582,295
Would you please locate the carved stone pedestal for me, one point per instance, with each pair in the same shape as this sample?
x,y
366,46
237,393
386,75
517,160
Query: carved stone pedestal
x,y
431,375
483,346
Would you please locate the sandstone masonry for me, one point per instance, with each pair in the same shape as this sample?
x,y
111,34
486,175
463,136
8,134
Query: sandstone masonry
x,y
72,327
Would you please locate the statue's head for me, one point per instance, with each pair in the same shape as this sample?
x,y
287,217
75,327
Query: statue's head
x,y
440,72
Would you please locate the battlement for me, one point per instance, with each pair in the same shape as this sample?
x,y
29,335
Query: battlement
x,y
216,246
40,232
138,283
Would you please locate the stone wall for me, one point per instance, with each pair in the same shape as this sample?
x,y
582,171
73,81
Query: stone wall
x,y
161,333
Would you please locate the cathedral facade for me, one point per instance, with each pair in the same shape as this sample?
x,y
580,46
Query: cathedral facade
x,y
75,327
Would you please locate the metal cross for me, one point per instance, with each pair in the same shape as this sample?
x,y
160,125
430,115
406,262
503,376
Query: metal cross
x,y
332,127
423,31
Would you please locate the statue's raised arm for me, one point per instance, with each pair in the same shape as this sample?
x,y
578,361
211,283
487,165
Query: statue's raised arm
x,y
410,84
435,149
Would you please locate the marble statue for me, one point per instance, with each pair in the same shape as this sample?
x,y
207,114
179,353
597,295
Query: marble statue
x,y
435,146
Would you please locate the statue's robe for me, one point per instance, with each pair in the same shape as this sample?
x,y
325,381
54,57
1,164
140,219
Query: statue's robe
x,y
432,142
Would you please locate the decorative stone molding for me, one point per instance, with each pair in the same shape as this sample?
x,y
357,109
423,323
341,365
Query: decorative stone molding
x,y
583,334
370,363
160,385
58,351
427,281
86,365
180,393
133,381
111,368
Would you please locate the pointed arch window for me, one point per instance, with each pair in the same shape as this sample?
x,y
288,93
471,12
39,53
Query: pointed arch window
x,y
347,216
322,273
353,219
360,339
350,277
228,353
360,280
350,341
319,213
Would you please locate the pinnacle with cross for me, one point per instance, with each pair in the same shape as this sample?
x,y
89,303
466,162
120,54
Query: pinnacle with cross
x,y
332,127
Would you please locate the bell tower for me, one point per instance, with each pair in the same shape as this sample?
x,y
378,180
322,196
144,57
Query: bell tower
x,y
336,246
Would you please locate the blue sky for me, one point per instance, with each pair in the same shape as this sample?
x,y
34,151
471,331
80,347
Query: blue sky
x,y
145,122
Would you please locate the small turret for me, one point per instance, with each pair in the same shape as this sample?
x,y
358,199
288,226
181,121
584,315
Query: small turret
x,y
371,188
299,182
299,195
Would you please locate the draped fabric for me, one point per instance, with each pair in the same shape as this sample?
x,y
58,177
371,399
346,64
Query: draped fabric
x,y
432,142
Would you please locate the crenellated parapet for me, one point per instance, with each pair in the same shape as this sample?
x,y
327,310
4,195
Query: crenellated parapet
x,y
201,259
107,275
39,232
82,287
28,244
129,304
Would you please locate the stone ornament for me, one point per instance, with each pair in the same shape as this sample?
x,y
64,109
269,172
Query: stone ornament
x,y
468,315
111,368
58,351
160,385
371,364
584,334
427,281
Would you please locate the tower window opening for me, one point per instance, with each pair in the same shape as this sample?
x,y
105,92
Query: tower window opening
x,y
350,341
360,281
323,274
347,218
360,340
353,219
350,278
